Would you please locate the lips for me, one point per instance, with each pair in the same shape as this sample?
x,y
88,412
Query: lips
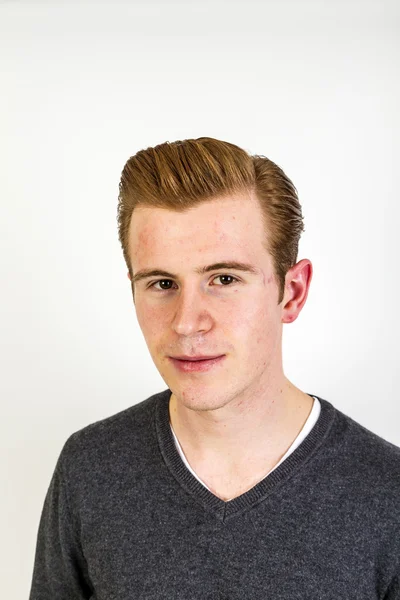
x,y
196,358
196,364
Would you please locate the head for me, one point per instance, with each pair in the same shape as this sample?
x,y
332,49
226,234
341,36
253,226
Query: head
x,y
184,206
181,175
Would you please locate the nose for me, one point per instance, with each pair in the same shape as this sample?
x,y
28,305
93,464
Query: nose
x,y
191,314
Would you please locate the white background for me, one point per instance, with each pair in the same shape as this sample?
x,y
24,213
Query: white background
x,y
312,85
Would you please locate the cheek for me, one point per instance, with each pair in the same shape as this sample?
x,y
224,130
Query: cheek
x,y
251,321
254,324
150,319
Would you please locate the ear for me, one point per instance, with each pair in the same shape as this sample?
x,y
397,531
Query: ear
x,y
297,285
129,276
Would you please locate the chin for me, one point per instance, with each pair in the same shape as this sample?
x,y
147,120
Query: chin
x,y
199,398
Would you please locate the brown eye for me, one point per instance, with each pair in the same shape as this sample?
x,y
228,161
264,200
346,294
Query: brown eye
x,y
224,279
166,284
162,282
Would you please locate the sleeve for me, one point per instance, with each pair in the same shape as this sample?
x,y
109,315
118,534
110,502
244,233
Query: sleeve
x,y
60,570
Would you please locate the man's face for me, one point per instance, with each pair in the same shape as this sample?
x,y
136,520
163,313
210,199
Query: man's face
x,y
221,312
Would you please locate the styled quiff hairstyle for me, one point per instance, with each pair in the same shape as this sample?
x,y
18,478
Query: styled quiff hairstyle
x,y
182,174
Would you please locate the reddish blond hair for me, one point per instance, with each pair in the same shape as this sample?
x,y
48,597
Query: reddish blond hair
x,y
181,174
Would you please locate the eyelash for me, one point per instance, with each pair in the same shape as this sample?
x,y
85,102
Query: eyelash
x,y
236,280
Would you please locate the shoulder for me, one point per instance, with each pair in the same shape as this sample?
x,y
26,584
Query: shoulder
x,y
126,431
362,454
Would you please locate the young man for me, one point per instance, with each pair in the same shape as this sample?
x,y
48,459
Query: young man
x,y
232,483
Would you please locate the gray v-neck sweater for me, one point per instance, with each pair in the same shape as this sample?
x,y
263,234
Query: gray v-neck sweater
x,y
124,519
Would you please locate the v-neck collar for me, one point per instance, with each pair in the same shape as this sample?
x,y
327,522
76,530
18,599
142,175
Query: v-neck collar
x,y
225,509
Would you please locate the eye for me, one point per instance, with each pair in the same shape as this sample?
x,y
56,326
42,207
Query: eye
x,y
161,281
169,282
226,277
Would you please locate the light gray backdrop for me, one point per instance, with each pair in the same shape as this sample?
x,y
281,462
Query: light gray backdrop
x,y
312,85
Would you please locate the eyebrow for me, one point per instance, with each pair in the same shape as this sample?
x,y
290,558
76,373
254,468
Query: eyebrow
x,y
229,265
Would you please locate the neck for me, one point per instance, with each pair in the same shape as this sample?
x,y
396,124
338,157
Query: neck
x,y
249,431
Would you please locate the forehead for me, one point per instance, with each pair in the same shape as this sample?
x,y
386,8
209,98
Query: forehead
x,y
229,227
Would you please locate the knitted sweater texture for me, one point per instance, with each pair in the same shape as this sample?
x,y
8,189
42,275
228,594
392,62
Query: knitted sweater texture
x,y
124,519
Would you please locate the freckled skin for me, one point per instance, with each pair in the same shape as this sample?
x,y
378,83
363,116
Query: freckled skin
x,y
202,314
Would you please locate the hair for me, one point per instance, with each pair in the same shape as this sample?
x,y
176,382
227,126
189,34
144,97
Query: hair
x,y
182,174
